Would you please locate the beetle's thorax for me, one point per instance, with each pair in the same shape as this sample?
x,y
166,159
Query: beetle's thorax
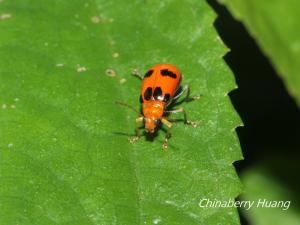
x,y
153,112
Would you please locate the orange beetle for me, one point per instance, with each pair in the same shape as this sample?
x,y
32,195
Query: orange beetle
x,y
157,91
160,87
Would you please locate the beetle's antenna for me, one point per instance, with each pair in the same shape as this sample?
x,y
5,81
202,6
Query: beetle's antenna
x,y
128,106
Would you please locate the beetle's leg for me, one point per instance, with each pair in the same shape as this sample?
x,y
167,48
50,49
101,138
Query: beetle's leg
x,y
168,134
137,74
186,88
186,121
138,121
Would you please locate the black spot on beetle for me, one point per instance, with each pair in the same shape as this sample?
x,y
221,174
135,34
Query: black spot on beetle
x,y
167,97
148,93
148,74
157,93
166,72
141,99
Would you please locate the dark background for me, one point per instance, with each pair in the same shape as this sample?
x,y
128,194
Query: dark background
x,y
271,132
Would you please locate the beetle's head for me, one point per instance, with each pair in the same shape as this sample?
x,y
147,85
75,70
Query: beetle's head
x,y
153,112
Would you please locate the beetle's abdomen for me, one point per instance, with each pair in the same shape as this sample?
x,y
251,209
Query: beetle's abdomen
x,y
160,83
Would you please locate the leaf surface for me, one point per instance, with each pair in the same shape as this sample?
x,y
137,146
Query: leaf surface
x,y
274,202
274,25
64,154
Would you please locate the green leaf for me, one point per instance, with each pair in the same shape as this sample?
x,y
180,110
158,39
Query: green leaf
x,y
64,154
274,25
265,191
